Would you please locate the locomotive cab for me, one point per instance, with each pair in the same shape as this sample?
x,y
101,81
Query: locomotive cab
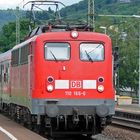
x,y
73,81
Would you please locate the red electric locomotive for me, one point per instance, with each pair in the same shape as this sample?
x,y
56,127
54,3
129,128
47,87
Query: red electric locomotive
x,y
60,81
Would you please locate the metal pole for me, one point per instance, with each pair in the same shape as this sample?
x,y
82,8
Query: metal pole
x,y
139,63
17,26
117,16
91,13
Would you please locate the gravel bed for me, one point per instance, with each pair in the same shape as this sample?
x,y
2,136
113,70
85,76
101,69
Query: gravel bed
x,y
102,137
115,133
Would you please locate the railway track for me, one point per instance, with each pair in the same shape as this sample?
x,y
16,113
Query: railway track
x,y
127,120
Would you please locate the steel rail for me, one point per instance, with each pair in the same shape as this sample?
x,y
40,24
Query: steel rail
x,y
126,122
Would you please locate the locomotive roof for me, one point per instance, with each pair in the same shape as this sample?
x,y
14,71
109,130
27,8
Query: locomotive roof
x,y
5,56
57,28
24,42
85,36
54,35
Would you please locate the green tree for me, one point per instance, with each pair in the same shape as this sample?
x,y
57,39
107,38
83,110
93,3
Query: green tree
x,y
8,34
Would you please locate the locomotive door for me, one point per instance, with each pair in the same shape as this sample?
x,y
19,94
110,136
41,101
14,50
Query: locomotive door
x,y
4,91
1,84
30,75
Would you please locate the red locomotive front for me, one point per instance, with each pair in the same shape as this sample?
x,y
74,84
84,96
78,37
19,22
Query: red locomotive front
x,y
73,78
73,68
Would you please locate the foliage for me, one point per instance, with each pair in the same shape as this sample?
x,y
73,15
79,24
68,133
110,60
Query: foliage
x,y
8,15
128,70
8,34
125,35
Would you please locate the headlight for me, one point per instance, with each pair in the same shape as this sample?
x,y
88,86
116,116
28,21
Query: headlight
x,y
50,88
100,88
74,34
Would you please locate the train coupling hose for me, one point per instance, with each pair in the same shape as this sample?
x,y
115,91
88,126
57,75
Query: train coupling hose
x,y
75,116
103,122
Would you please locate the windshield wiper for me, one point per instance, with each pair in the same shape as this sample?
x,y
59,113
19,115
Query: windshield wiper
x,y
89,57
54,56
94,48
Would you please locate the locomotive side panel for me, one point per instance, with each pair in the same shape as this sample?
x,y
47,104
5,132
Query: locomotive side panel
x,y
22,74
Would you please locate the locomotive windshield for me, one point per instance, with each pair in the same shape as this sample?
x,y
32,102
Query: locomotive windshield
x,y
57,51
91,52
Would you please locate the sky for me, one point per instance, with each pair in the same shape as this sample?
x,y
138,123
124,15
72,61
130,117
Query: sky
x,y
4,4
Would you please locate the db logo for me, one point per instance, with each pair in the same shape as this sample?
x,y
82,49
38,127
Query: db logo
x,y
76,84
